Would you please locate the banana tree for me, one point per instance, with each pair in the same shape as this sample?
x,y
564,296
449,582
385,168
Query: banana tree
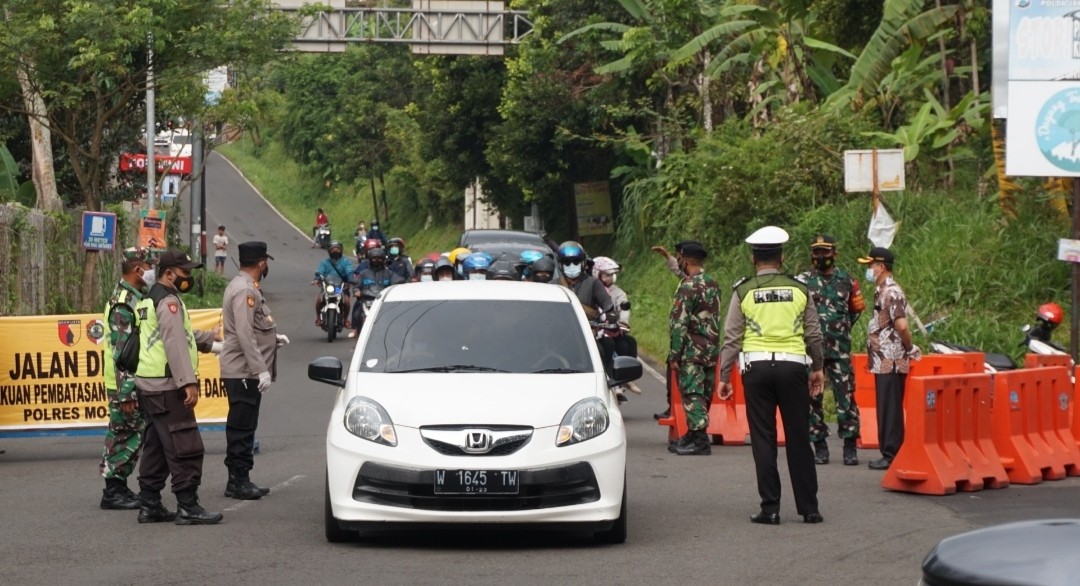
x,y
10,188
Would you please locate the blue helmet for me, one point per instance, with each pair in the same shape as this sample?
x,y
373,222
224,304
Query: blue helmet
x,y
477,261
571,252
530,256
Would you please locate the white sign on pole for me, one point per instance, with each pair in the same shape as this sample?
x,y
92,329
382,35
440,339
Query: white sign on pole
x,y
1069,250
859,170
1044,135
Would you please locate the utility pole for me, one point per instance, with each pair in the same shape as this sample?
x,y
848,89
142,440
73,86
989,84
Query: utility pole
x,y
151,130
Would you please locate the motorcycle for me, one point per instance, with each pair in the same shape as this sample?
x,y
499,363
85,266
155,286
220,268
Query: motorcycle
x,y
332,320
992,361
364,301
322,236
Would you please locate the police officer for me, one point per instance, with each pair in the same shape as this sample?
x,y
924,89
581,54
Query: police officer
x,y
695,345
248,364
773,323
168,389
124,434
839,302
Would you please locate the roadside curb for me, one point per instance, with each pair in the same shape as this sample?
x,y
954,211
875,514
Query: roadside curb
x,y
263,197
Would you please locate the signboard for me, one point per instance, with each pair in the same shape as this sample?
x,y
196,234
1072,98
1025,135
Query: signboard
x,y
52,376
593,209
999,90
171,165
170,186
1069,250
98,230
1043,129
1044,40
152,229
859,170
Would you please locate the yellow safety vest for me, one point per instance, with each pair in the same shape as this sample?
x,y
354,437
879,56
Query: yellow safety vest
x,y
153,363
773,305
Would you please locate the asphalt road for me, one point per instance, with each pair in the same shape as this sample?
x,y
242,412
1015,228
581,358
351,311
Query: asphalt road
x,y
688,515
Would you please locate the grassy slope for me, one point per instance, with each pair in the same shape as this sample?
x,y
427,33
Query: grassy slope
x,y
955,255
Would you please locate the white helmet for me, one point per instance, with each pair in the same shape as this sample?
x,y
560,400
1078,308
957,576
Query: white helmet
x,y
603,264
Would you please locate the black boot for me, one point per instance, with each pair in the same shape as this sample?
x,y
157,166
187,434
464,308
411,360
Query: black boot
x,y
190,512
241,488
698,444
821,452
851,455
674,444
117,496
151,510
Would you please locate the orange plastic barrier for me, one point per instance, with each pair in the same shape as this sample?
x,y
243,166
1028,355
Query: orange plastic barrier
x,y
1074,413
1047,360
1024,401
727,418
1054,395
947,441
676,420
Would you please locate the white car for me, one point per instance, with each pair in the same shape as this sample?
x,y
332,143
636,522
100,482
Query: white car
x,y
475,403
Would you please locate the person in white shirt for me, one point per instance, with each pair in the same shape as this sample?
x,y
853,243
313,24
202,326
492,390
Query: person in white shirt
x,y
221,245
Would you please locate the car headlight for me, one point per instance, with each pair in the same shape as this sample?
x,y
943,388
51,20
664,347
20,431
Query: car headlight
x,y
587,419
329,288
367,419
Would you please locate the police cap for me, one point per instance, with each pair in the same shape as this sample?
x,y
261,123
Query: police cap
x,y
679,246
694,250
177,259
768,238
252,252
823,241
878,254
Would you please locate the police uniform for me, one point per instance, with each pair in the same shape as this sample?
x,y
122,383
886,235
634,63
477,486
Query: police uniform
x,y
249,354
124,434
772,329
168,359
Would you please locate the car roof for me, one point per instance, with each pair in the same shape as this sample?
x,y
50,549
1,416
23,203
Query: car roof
x,y
477,290
486,236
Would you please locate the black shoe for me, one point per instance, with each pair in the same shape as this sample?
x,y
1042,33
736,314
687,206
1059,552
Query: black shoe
x,y
813,518
881,464
764,518
118,497
664,415
190,512
152,511
674,444
241,488
697,444
821,452
851,455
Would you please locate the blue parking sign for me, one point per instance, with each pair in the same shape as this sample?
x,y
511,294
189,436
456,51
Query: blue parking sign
x,y
98,230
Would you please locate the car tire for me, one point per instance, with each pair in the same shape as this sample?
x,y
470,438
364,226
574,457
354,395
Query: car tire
x,y
617,533
334,532
331,323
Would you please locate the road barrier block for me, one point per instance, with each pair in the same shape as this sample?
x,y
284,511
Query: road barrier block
x,y
1047,360
676,420
1055,388
1074,413
1026,456
728,424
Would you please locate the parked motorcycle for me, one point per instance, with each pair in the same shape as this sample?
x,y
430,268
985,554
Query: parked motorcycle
x,y
1036,339
332,319
322,236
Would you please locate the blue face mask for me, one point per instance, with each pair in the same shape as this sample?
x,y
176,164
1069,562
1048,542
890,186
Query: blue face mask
x,y
572,271
870,275
477,276
394,251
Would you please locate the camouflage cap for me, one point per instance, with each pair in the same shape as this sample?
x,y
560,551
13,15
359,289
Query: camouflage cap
x,y
139,253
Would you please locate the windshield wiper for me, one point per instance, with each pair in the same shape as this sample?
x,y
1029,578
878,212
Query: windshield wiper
x,y
558,371
454,368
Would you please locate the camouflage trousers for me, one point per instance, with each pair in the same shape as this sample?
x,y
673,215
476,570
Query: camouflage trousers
x,y
696,384
122,441
842,380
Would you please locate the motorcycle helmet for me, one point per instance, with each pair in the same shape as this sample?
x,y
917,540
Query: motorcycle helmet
x,y
371,243
458,255
603,264
1050,313
502,270
530,256
377,258
475,266
396,243
444,270
572,258
542,270
335,249
486,255
424,270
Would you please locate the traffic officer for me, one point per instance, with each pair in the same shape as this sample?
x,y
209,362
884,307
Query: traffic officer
x,y
839,302
167,386
124,433
695,344
771,326
248,364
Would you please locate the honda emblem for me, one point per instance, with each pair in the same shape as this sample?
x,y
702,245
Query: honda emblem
x,y
477,441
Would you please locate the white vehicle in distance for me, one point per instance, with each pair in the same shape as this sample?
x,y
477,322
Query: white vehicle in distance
x,y
475,403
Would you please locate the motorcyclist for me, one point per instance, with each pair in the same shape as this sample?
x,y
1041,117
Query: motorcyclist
x,y
362,255
502,270
475,267
397,260
369,283
457,257
590,292
424,271
444,270
525,261
542,270
376,233
334,270
321,219
606,270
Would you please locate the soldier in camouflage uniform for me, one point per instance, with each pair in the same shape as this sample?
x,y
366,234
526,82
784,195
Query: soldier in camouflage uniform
x,y
695,338
839,303
126,424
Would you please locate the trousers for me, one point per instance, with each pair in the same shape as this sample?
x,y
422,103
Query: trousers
x,y
784,385
122,441
244,402
889,389
172,444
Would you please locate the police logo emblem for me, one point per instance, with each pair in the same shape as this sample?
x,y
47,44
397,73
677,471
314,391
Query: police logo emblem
x,y
95,331
173,307
69,331
251,300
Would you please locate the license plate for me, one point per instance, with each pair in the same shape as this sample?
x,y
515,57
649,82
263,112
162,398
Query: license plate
x,y
484,482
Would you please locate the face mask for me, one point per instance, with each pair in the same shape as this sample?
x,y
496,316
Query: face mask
x,y
823,263
477,276
335,255
266,271
183,284
542,278
149,277
394,251
572,271
377,264
614,277
446,277
870,275
425,278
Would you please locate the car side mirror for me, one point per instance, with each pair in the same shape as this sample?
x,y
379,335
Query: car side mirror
x,y
327,369
625,369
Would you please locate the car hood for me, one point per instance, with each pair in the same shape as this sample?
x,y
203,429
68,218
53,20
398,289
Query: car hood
x,y
418,399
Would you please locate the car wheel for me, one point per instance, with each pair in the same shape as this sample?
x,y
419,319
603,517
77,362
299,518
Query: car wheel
x,y
617,533
334,532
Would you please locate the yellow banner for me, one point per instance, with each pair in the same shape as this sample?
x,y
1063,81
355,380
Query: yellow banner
x,y
52,376
593,201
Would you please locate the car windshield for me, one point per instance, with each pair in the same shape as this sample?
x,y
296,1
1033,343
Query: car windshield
x,y
476,336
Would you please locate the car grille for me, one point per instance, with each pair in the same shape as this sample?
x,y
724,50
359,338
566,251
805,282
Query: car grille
x,y
543,488
451,440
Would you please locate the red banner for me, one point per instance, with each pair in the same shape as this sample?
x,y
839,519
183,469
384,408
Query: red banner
x,y
164,164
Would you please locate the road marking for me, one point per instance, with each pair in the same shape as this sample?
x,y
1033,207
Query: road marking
x,y
280,486
653,373
261,196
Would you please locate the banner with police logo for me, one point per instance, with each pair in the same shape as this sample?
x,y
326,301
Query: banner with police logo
x,y
52,372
